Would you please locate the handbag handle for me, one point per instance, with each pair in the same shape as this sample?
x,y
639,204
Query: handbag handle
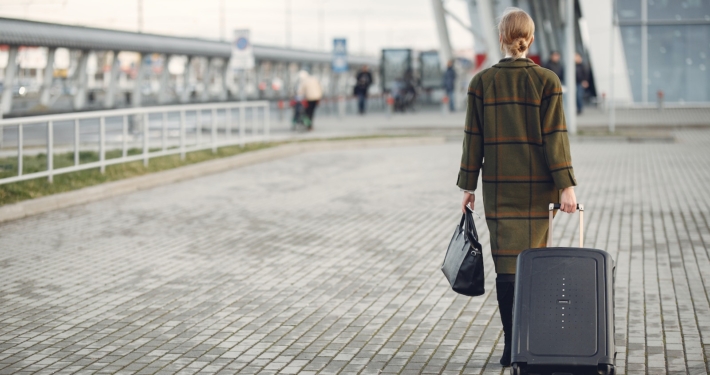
x,y
556,206
470,227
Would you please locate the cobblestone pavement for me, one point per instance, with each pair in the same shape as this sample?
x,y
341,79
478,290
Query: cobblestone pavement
x,y
329,263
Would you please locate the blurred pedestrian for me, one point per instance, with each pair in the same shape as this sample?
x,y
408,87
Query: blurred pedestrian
x,y
362,86
582,76
449,83
556,66
310,89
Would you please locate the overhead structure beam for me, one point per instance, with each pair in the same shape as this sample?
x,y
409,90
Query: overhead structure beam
x,y
445,52
476,33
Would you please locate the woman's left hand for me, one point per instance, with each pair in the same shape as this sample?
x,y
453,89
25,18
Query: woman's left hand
x,y
468,198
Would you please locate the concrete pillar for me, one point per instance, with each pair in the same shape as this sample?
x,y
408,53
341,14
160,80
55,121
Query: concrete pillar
x,y
137,96
225,84
570,71
110,95
206,80
164,94
445,53
185,97
80,78
48,76
490,33
9,81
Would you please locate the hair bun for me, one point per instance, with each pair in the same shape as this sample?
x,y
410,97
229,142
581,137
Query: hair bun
x,y
522,46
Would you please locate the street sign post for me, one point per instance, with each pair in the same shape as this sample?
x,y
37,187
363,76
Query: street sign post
x,y
242,58
242,50
340,55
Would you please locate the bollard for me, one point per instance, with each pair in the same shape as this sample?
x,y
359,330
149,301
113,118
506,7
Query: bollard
x,y
659,94
281,110
604,104
390,105
444,104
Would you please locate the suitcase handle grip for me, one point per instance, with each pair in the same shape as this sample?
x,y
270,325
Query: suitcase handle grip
x,y
556,206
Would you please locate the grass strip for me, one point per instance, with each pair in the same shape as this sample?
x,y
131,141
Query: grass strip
x,y
39,187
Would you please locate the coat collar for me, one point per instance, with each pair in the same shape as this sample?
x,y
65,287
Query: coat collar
x,y
510,63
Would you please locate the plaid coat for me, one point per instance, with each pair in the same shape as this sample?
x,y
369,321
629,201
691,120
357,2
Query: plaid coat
x,y
516,133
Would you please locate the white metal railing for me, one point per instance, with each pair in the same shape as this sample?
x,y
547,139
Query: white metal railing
x,y
259,132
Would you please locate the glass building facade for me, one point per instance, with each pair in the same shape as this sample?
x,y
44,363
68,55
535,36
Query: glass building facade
x,y
667,48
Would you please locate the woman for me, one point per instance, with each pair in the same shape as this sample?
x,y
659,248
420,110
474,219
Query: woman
x,y
515,119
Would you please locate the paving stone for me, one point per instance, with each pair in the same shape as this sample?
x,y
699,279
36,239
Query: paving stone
x,y
328,263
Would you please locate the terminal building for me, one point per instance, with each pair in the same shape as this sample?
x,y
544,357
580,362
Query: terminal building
x,y
637,52
92,68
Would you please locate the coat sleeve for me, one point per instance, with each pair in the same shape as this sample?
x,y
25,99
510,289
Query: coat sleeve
x,y
472,158
554,136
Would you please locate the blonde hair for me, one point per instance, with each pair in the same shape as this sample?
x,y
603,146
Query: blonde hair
x,y
516,30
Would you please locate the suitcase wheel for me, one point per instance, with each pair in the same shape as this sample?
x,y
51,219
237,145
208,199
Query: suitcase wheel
x,y
606,370
517,369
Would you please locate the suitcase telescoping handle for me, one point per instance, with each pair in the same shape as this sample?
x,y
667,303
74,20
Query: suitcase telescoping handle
x,y
556,206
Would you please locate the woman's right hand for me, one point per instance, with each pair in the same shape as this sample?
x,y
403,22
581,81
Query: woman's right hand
x,y
468,198
568,200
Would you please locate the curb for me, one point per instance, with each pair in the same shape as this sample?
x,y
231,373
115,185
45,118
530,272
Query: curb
x,y
111,189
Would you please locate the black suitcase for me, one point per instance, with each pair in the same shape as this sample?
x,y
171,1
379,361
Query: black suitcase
x,y
563,317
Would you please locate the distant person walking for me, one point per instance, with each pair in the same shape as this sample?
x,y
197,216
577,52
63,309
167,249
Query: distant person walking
x,y
449,83
556,66
582,76
516,119
363,80
310,89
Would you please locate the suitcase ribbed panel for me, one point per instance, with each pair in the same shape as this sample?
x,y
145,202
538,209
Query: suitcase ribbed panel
x,y
563,319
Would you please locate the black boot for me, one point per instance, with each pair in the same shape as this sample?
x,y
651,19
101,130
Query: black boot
x,y
505,290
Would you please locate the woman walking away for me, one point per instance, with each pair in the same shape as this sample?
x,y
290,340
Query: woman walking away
x,y
515,119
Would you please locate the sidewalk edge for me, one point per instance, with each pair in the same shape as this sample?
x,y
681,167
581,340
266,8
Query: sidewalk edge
x,y
36,206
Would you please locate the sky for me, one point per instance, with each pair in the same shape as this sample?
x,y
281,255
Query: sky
x,y
369,25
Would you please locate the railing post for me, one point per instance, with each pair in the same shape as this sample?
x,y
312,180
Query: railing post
x,y
198,115
228,122
214,131
182,135
124,138
198,131
102,144
19,149
165,130
242,123
76,142
267,124
50,150
146,135
254,121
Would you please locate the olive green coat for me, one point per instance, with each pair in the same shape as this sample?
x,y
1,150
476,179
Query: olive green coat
x,y
516,133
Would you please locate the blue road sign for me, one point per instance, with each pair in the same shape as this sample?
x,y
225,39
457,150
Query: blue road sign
x,y
340,55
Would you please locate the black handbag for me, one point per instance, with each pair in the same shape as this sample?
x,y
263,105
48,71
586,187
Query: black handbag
x,y
463,264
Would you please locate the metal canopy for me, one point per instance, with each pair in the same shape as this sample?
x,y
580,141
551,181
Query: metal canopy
x,y
268,53
41,34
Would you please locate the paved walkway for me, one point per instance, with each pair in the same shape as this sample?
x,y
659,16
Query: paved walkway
x,y
329,263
